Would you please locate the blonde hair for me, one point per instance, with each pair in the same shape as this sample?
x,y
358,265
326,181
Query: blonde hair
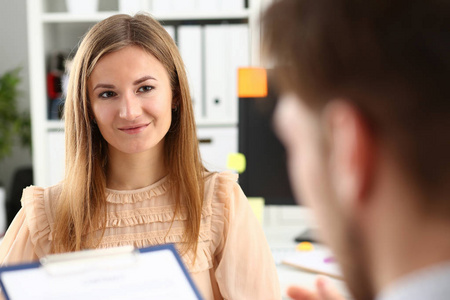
x,y
82,207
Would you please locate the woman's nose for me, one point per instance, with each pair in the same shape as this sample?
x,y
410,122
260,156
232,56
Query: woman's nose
x,y
130,107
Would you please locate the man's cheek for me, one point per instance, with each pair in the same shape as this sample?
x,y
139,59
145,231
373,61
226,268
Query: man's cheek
x,y
297,178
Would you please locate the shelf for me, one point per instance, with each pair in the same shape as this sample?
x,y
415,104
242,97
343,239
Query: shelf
x,y
55,125
72,18
211,123
195,15
88,18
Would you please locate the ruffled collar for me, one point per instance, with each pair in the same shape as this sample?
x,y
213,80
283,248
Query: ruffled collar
x,y
132,196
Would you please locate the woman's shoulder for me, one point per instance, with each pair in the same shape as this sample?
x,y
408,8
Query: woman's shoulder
x,y
224,175
39,196
38,204
219,183
221,187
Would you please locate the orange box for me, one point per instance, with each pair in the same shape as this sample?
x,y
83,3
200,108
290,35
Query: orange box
x,y
252,82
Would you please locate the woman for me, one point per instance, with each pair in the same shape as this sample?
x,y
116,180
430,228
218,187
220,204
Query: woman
x,y
133,170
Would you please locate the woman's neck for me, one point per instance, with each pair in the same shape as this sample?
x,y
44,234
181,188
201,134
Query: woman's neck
x,y
134,171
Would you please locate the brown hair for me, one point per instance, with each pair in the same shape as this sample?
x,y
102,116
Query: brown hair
x,y
81,207
390,58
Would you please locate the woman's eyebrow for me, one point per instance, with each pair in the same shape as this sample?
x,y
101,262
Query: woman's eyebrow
x,y
103,85
145,78
136,82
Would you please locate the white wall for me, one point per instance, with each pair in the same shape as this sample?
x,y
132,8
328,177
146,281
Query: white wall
x,y
14,53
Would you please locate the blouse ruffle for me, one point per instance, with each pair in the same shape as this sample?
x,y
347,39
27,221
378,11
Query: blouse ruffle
x,y
123,214
37,219
158,188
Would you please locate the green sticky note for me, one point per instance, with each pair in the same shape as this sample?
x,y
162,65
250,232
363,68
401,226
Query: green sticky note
x,y
236,162
257,205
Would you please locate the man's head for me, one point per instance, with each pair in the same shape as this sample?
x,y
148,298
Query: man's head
x,y
364,114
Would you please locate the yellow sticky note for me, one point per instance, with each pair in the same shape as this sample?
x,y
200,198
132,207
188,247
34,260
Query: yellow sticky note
x,y
257,205
252,82
305,246
236,162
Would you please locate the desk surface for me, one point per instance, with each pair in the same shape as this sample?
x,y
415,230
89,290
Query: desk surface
x,y
281,225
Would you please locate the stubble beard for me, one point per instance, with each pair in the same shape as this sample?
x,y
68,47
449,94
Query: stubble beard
x,y
355,264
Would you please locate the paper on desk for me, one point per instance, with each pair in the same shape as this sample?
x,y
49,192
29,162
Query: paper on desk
x,y
314,261
151,275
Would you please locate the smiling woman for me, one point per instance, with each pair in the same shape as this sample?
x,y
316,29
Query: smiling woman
x,y
133,173
132,103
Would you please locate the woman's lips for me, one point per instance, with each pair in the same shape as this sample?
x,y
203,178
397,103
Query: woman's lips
x,y
134,129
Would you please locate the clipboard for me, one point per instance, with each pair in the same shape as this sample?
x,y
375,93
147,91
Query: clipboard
x,y
155,272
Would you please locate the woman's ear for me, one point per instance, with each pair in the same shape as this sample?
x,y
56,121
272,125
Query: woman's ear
x,y
175,104
352,153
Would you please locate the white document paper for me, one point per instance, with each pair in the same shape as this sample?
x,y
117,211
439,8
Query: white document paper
x,y
148,275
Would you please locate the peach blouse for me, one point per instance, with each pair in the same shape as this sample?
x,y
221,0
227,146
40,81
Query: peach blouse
x,y
233,258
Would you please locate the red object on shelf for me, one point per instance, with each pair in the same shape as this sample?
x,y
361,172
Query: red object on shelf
x,y
53,85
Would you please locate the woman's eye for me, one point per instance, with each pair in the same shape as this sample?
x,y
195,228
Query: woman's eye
x,y
107,94
145,88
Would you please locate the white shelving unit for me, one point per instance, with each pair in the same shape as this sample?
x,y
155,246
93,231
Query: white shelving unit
x,y
51,29
64,18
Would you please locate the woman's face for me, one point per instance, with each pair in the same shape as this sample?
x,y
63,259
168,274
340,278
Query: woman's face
x,y
131,99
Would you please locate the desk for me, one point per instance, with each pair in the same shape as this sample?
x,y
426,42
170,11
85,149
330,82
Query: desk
x,y
281,224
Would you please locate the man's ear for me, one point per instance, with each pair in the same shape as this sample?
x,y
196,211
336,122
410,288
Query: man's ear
x,y
352,152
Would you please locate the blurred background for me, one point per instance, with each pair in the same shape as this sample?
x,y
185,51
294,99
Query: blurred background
x,y
13,57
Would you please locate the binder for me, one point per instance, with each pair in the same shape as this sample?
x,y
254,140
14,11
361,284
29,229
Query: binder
x,y
226,48
190,46
239,56
117,273
215,72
